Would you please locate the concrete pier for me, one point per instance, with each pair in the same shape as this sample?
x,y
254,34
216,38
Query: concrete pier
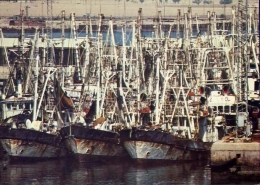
x,y
247,154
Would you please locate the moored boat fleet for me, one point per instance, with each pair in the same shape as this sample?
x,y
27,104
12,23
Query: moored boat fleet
x,y
158,98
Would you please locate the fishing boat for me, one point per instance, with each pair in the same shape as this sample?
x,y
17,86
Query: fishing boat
x,y
88,133
28,129
170,125
23,136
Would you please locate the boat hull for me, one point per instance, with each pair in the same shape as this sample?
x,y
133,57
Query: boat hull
x,y
144,146
142,152
90,150
30,144
20,149
90,144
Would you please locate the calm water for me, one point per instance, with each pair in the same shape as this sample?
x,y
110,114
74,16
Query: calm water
x,y
68,172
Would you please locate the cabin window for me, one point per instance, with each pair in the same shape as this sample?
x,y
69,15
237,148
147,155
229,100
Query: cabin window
x,y
14,106
233,108
220,108
227,109
21,106
214,108
252,66
28,106
9,107
254,74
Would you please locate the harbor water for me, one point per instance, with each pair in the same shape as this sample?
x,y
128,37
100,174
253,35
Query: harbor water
x,y
70,172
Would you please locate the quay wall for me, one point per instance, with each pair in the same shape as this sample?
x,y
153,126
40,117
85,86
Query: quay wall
x,y
248,154
81,26
123,9
123,12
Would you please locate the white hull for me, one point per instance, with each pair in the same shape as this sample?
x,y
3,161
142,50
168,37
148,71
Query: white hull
x,y
141,150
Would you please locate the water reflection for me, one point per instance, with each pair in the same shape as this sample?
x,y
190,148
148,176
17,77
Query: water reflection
x,y
69,172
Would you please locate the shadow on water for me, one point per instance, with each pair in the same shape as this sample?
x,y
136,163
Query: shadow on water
x,y
235,177
70,172
132,173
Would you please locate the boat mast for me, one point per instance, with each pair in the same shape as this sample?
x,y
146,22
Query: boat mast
x,y
190,21
157,91
178,24
86,63
99,60
133,47
35,97
90,27
242,64
124,54
21,40
32,57
197,25
77,74
62,36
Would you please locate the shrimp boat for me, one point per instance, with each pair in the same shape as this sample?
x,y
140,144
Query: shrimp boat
x,y
28,129
193,98
171,114
88,134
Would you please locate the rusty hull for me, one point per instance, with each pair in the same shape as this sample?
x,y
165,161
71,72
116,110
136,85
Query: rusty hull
x,y
89,143
85,149
26,143
142,150
162,146
18,149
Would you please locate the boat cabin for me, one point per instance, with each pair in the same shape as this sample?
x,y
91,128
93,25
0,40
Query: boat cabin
x,y
13,106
